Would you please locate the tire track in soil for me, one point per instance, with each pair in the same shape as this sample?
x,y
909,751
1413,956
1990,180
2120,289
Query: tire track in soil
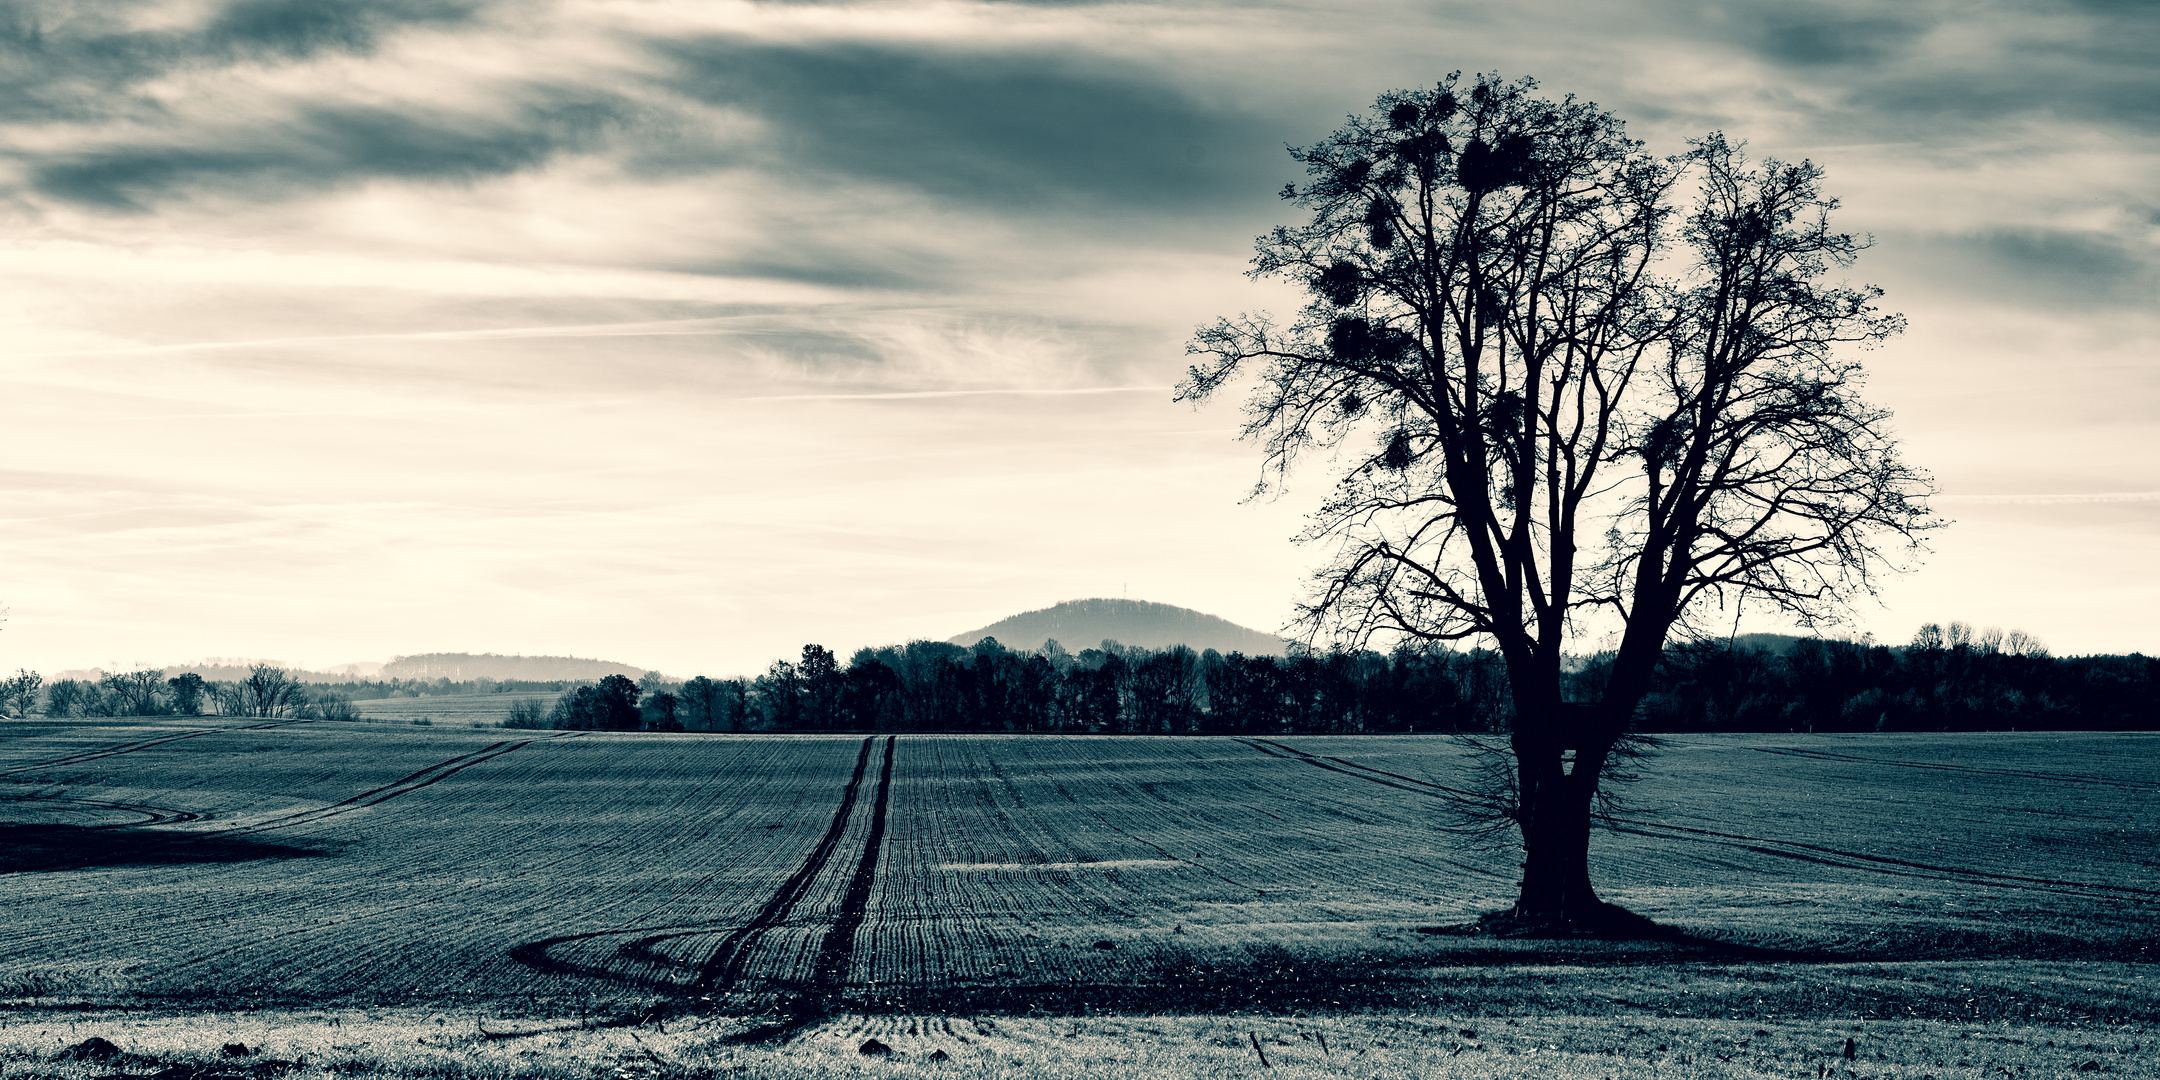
x,y
828,974
1790,849
439,771
1352,768
151,815
2022,774
80,756
1828,856
723,966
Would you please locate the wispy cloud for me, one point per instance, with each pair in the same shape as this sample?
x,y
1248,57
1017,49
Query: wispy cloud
x,y
2055,499
910,395
687,332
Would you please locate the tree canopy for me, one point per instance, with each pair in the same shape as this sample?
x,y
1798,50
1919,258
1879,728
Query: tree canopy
x,y
1566,385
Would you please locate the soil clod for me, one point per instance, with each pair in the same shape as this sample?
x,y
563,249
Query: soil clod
x,y
233,1049
873,1047
94,1048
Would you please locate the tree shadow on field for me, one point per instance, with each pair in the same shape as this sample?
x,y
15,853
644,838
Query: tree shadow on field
x,y
1682,975
46,847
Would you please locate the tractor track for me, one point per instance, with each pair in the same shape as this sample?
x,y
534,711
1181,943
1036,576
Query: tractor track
x,y
830,971
1852,860
725,964
151,815
78,757
1788,849
724,967
2021,774
435,773
1352,768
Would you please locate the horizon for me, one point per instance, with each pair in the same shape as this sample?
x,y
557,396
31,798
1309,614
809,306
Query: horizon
x,y
697,332
1865,640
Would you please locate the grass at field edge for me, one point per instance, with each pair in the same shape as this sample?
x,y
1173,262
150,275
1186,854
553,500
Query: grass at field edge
x,y
35,1044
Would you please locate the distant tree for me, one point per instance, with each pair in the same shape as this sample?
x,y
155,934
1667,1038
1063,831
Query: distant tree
x,y
608,705
1164,698
2020,643
867,701
228,698
1557,396
1056,654
699,704
525,714
67,697
734,712
658,712
1102,696
267,691
1032,695
327,705
777,695
133,693
820,685
185,691
619,702
19,692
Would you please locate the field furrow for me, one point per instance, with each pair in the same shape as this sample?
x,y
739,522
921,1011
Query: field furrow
x,y
360,863
130,746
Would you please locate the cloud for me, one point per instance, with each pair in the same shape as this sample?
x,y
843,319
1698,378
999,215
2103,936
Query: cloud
x,y
2060,268
89,60
328,146
1937,71
1812,36
998,129
295,29
2054,500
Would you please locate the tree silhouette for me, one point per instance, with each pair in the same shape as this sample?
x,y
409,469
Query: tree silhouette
x,y
186,693
608,705
19,692
268,690
1563,398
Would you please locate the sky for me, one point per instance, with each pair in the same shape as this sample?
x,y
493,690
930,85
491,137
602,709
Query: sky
x,y
685,333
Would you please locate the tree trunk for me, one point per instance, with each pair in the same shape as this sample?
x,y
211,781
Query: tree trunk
x,y
1556,841
1557,766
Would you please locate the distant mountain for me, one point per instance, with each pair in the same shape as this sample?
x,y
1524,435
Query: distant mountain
x,y
224,669
458,667
1083,624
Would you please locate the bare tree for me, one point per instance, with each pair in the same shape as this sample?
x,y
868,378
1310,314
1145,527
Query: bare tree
x,y
1558,401
133,693
19,692
268,690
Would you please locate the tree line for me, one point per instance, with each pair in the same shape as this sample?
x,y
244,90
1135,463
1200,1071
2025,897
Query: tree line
x,y
1948,679
266,691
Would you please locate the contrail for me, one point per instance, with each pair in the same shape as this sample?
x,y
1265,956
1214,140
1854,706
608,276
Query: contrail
x,y
897,395
666,328
2047,499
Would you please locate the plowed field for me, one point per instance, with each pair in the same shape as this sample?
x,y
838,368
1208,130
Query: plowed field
x,y
223,861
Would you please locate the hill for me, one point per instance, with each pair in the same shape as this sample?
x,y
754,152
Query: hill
x,y
1084,624
459,667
